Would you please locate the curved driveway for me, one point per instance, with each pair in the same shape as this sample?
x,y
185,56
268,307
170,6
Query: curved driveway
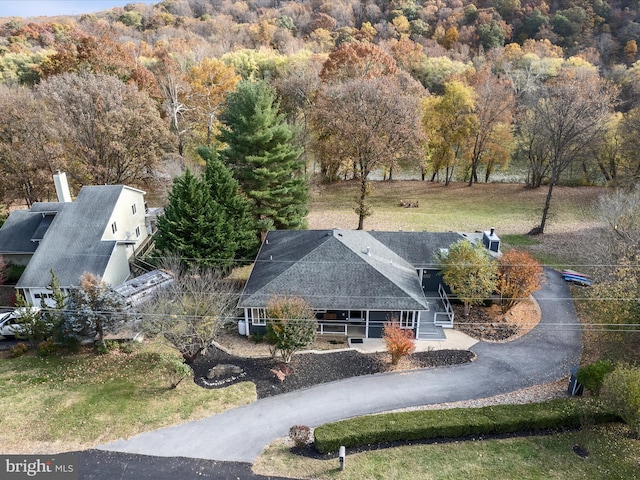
x,y
543,355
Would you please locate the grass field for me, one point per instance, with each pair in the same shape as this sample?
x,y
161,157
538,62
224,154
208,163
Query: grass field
x,y
60,403
511,209
613,455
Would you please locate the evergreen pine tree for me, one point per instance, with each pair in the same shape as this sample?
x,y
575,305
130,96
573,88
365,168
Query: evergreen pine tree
x,y
261,153
223,189
194,226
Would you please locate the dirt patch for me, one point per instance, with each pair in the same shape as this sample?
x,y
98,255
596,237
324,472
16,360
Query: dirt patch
x,y
491,325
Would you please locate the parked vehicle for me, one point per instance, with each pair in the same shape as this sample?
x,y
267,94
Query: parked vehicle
x,y
10,322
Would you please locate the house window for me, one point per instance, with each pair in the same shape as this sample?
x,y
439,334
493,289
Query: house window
x,y
133,209
258,316
137,231
406,319
114,227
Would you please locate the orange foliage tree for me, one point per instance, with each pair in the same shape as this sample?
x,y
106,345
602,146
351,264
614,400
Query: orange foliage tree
x,y
519,275
400,342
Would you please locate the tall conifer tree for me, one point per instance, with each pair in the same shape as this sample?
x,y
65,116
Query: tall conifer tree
x,y
195,226
224,190
262,155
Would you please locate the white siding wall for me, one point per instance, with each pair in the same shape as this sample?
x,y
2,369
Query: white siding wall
x,y
117,270
128,217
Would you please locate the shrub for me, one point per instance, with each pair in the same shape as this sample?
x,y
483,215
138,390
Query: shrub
x,y
18,350
621,393
592,376
291,325
300,435
398,341
257,337
174,369
47,348
456,423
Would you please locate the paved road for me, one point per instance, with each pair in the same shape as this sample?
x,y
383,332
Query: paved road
x,y
545,354
102,465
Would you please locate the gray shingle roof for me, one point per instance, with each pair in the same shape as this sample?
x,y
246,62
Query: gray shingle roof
x,y
343,269
18,233
418,248
72,245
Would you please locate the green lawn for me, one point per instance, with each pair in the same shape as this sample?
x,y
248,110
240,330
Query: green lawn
x,y
510,208
613,455
66,402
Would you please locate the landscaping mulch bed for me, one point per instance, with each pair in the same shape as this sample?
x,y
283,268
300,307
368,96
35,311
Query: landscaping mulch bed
x,y
309,369
483,324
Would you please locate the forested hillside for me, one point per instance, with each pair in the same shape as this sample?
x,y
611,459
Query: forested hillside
x,y
448,90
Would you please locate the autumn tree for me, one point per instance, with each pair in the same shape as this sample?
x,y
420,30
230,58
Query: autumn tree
x,y
519,275
469,271
490,134
613,299
175,89
448,121
291,325
260,151
93,310
376,126
297,89
112,132
80,53
30,152
189,314
398,341
628,128
356,60
210,81
608,152
569,112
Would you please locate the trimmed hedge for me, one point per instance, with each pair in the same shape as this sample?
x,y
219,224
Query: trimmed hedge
x,y
456,423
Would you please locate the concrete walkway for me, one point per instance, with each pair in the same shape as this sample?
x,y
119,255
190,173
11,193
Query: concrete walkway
x,y
455,340
545,354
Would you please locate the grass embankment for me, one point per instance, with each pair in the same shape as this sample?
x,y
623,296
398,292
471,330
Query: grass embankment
x,y
612,454
58,403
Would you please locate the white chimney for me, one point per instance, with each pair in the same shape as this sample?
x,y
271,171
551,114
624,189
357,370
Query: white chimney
x,y
62,187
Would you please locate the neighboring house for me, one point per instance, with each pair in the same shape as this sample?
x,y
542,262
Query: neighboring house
x,y
356,280
98,232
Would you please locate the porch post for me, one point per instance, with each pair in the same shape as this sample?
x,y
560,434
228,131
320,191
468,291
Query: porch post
x,y
247,321
366,328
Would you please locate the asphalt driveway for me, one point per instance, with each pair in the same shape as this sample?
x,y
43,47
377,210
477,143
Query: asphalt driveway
x,y
545,354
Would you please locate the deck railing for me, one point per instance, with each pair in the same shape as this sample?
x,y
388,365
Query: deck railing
x,y
332,328
448,313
